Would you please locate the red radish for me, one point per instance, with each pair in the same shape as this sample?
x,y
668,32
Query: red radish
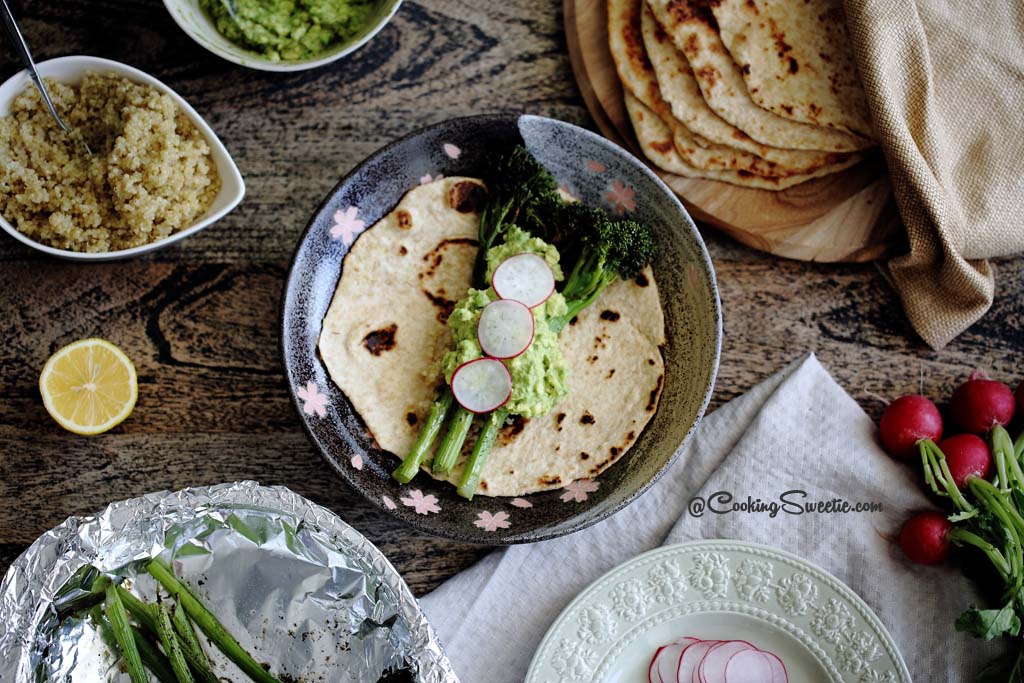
x,y
712,668
481,385
779,673
749,666
924,538
665,664
505,328
691,659
906,421
980,403
967,455
526,278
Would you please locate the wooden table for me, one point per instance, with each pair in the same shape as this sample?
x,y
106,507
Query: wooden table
x,y
200,318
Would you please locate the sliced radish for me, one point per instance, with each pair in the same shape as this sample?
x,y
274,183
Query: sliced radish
x,y
712,668
748,666
668,660
779,673
652,671
526,278
690,660
481,385
505,329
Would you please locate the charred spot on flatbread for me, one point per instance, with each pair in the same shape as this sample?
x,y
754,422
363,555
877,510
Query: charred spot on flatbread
x,y
444,306
402,251
483,485
404,219
652,401
411,418
610,315
508,432
593,359
650,361
611,373
467,196
435,257
379,341
584,455
587,418
641,280
614,450
558,420
553,480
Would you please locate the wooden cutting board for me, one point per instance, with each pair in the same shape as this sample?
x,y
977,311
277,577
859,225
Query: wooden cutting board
x,y
850,216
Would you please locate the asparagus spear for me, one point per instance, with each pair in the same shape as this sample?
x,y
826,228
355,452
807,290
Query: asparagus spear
x,y
451,445
194,652
209,624
431,428
153,659
172,647
118,617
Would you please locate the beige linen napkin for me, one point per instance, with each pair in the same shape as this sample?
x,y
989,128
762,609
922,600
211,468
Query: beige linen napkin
x,y
945,84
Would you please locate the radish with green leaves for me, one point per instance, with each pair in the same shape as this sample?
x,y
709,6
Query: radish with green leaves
x,y
907,421
967,455
925,538
979,404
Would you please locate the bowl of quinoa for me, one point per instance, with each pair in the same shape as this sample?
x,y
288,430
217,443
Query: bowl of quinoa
x,y
157,172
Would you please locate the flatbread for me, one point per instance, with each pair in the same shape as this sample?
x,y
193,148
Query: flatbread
x,y
693,29
383,337
655,139
797,60
681,91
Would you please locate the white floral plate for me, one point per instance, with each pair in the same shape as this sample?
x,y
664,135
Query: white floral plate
x,y
718,590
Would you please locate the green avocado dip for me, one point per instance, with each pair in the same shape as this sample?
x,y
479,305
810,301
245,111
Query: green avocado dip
x,y
290,30
539,374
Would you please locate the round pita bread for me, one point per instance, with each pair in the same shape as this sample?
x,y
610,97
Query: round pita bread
x,y
796,60
692,28
680,90
656,142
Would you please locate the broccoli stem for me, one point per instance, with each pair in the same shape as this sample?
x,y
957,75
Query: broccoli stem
x,y
153,659
481,449
142,612
171,645
194,652
451,446
431,428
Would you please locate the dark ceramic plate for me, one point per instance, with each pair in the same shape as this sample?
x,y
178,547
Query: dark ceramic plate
x,y
599,173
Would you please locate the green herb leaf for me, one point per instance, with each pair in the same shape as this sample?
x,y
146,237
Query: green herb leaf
x,y
990,623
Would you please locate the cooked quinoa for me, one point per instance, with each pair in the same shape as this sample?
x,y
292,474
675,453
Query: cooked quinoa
x,y
150,174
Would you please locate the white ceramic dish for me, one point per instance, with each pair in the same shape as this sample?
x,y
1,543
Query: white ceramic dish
x,y
200,28
71,70
718,590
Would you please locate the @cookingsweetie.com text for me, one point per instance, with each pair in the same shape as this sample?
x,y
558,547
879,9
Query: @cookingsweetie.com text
x,y
794,502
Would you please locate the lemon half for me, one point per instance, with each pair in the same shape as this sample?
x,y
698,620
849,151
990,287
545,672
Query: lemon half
x,y
89,386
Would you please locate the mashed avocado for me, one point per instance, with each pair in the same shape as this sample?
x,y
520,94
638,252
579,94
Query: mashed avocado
x,y
539,374
286,30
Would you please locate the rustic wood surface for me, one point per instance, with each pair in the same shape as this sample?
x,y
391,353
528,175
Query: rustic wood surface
x,y
200,318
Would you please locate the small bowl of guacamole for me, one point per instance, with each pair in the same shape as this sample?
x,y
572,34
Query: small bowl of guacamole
x,y
282,35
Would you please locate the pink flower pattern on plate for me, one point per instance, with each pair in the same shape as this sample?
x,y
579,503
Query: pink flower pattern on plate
x,y
357,461
620,197
520,503
595,166
426,179
422,504
492,521
347,225
388,503
451,150
313,402
577,491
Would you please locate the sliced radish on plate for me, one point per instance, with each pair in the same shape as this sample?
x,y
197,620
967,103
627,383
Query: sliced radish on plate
x,y
691,659
505,329
748,666
779,673
526,278
712,668
481,385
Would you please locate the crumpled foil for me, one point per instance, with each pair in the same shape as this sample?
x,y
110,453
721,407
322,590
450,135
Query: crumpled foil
x,y
298,587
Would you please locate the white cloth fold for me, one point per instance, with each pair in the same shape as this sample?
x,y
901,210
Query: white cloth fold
x,y
798,430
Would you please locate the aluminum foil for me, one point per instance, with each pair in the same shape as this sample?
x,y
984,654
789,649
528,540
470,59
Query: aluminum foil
x,y
299,588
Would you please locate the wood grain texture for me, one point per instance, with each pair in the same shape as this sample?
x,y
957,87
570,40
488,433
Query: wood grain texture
x,y
200,319
849,216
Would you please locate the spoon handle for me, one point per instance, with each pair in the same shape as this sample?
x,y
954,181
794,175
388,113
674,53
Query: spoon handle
x,y
21,47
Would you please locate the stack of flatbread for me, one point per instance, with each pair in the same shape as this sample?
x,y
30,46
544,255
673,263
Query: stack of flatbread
x,y
757,93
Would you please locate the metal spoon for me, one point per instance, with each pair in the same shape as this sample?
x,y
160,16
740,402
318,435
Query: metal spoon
x,y
18,42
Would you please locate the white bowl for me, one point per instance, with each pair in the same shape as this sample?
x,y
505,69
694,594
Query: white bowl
x,y
198,25
72,70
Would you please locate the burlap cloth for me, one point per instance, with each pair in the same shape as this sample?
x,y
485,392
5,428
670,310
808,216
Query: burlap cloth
x,y
945,84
